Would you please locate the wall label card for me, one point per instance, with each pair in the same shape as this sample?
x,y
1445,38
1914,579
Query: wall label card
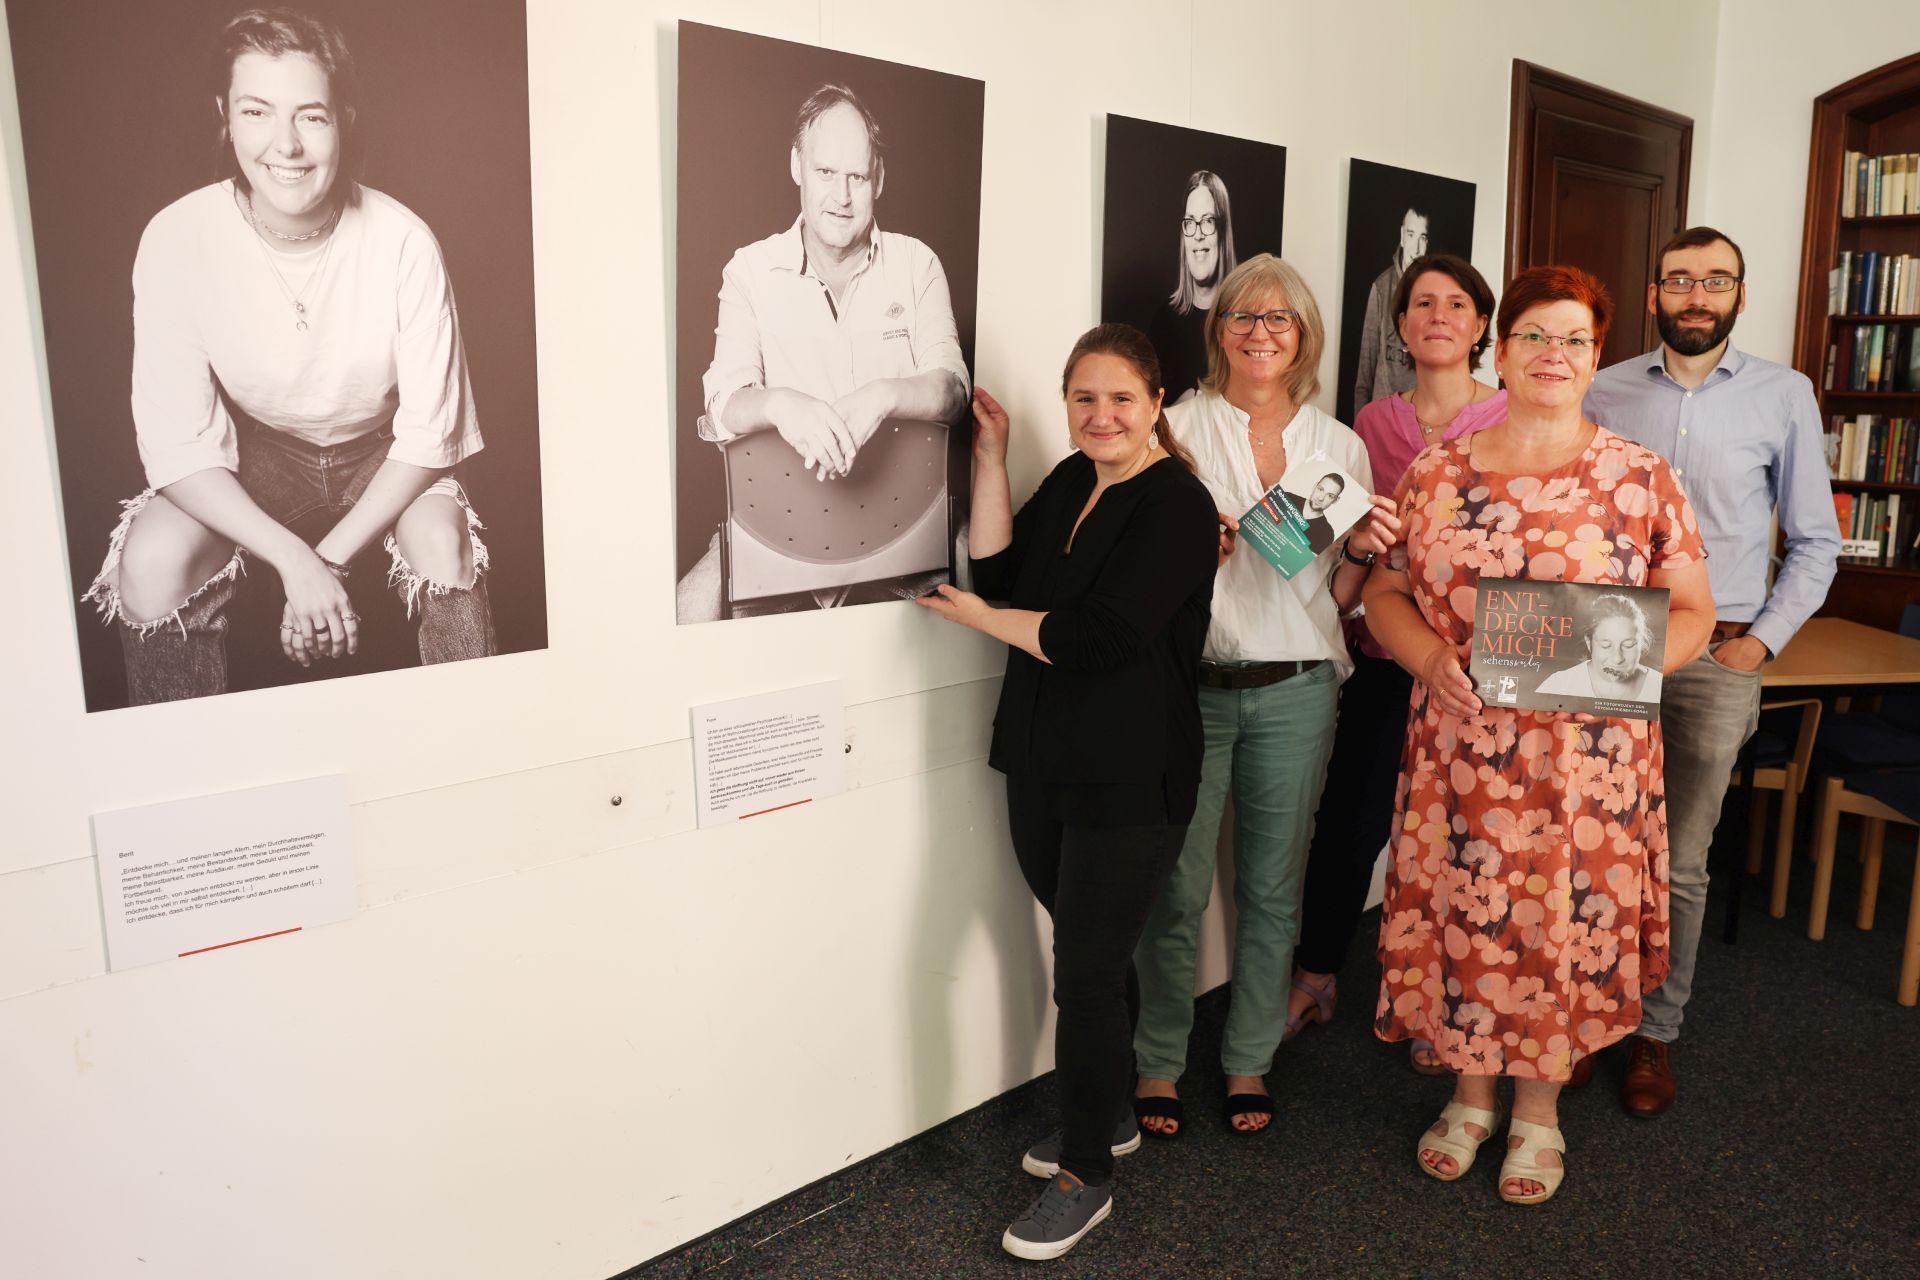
x,y
771,751
191,876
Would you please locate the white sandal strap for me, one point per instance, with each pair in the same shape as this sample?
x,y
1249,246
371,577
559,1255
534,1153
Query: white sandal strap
x,y
1456,1141
1536,1137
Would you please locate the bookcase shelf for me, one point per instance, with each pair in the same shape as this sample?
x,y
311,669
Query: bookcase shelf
x,y
1872,318
1883,219
1836,393
1875,486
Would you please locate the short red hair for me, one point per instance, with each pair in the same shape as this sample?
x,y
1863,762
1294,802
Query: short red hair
x,y
1537,285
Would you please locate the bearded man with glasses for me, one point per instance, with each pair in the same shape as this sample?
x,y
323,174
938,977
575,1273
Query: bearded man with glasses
x,y
1744,437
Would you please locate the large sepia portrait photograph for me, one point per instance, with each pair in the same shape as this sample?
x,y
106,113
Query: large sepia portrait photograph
x,y
828,249
286,273
1393,216
1183,207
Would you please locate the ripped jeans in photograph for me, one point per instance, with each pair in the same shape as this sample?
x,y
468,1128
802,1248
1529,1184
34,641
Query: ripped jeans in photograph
x,y
183,653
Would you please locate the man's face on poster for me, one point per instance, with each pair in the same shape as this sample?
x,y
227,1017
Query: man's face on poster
x,y
1413,236
1325,493
833,167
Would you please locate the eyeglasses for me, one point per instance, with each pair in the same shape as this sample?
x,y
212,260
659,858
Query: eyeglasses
x,y
1712,284
1203,225
1240,323
1534,340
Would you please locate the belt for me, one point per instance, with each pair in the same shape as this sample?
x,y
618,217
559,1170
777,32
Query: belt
x,y
1257,675
1725,631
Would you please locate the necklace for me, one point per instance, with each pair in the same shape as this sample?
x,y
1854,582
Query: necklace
x,y
326,252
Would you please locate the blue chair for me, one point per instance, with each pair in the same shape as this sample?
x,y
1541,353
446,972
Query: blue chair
x,y
1880,796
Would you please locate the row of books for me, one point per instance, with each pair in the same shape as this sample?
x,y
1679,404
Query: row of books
x,y
1877,529
1874,284
1869,446
1873,357
1871,186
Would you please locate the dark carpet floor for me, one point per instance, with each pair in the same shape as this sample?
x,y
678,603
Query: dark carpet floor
x,y
1794,1150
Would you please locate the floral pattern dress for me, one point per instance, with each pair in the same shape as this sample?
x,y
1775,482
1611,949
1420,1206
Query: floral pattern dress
x,y
1526,898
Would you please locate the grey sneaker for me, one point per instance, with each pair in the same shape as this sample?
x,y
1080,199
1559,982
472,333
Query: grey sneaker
x,y
1042,1159
1054,1223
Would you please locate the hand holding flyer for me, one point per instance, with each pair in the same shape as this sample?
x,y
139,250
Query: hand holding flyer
x,y
1302,516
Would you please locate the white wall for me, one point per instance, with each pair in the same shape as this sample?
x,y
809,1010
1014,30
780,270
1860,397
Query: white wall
x,y
1775,57
562,1037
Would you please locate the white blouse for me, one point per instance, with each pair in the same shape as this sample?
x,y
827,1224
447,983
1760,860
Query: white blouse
x,y
382,342
1259,616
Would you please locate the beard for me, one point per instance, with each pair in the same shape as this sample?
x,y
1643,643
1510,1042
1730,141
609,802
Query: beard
x,y
1694,341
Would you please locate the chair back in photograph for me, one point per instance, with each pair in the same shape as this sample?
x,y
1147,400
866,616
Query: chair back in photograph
x,y
787,530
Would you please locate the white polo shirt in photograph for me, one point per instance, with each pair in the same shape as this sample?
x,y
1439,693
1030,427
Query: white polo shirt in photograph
x,y
210,315
1259,616
780,326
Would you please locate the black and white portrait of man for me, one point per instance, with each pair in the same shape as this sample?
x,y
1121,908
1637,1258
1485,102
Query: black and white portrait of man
x,y
1393,216
835,375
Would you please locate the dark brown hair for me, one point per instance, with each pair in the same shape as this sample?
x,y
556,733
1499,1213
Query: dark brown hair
x,y
1537,285
1129,344
277,33
1698,238
1462,273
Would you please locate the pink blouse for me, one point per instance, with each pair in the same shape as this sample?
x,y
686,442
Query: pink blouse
x,y
1391,433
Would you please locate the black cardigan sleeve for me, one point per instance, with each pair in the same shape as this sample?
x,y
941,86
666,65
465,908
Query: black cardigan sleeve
x,y
994,575
1168,551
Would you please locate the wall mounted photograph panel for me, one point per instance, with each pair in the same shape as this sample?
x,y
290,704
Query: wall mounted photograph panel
x,y
828,254
1183,208
1393,216
285,452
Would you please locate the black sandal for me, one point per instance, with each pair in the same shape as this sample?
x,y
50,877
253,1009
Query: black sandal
x,y
1248,1104
1161,1109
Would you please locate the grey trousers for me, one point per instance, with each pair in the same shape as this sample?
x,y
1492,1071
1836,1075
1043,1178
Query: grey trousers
x,y
1706,712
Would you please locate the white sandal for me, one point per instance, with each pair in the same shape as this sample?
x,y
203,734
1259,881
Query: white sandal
x,y
1523,1162
1456,1141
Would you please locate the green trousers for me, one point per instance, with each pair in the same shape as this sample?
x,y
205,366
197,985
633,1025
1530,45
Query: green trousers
x,y
1270,745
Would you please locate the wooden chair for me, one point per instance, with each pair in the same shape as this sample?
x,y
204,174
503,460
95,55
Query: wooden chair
x,y
1782,761
1880,797
787,531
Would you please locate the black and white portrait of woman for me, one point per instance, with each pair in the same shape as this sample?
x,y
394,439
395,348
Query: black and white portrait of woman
x,y
301,392
1616,638
1393,216
1211,199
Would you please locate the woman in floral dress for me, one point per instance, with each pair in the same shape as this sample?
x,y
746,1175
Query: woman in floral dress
x,y
1526,898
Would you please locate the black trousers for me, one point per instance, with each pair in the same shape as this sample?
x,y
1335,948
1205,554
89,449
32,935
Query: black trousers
x,y
1356,810
1098,883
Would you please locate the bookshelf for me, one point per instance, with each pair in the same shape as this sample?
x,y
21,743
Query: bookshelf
x,y
1876,114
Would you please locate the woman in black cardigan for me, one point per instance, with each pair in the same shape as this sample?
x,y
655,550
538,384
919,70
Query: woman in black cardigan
x,y
1108,570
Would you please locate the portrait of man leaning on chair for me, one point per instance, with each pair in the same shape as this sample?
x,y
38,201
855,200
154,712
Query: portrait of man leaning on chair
x,y
836,374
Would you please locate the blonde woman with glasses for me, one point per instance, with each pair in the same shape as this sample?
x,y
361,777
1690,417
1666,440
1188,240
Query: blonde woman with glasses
x,y
1269,683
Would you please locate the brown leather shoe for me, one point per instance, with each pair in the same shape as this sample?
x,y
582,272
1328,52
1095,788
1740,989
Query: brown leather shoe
x,y
1649,1086
1582,1071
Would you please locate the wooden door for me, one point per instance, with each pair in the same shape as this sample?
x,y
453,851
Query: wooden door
x,y
1596,180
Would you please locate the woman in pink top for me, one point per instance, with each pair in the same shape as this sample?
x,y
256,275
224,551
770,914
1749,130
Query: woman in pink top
x,y
1442,308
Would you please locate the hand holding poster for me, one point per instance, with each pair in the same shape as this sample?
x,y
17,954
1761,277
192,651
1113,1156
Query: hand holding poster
x,y
1569,646
1314,503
